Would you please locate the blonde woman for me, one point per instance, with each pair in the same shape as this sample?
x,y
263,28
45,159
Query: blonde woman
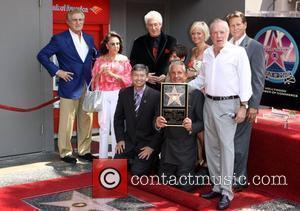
x,y
199,33
112,73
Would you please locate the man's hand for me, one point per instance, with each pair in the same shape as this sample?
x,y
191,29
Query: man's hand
x,y
161,78
160,122
66,76
241,114
152,78
145,153
120,147
192,73
114,75
251,114
187,124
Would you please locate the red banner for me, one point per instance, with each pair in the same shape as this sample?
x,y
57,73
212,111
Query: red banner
x,y
96,11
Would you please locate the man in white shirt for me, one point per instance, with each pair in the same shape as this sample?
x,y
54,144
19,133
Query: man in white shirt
x,y
226,78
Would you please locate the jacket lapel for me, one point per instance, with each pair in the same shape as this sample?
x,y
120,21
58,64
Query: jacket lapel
x,y
143,103
71,46
245,42
131,101
90,45
162,45
148,46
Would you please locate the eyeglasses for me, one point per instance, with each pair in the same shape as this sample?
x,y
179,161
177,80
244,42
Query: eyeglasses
x,y
114,44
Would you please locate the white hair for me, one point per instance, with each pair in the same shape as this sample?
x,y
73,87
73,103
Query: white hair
x,y
216,21
153,15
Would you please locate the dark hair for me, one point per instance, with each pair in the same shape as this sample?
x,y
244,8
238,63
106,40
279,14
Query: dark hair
x,y
139,67
103,49
236,14
180,50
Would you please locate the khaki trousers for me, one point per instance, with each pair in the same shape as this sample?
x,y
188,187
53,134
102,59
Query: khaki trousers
x,y
69,109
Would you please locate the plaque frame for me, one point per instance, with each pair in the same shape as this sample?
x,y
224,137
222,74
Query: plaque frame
x,y
178,106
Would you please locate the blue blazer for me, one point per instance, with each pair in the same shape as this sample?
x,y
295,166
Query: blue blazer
x,y
69,60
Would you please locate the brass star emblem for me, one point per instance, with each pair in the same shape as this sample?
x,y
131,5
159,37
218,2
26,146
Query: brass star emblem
x,y
174,97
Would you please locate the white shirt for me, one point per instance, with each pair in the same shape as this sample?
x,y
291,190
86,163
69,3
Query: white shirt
x,y
226,74
239,41
80,45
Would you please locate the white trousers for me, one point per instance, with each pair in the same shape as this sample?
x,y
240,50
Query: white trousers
x,y
106,123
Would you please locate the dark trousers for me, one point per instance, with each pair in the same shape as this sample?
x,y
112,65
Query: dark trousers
x,y
136,165
169,171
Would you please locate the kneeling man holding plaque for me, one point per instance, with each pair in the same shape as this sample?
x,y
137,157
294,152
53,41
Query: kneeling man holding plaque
x,y
181,118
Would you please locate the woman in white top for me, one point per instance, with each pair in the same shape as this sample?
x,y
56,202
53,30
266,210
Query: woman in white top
x,y
199,33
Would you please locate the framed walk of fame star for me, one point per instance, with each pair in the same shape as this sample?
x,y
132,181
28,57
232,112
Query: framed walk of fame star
x,y
174,103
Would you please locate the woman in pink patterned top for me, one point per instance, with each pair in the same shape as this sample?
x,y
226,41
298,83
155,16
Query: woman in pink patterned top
x,y
111,72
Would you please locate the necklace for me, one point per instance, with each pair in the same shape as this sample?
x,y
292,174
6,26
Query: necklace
x,y
110,58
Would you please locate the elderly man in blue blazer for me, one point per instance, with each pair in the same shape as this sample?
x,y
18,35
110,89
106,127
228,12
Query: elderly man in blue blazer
x,y
74,51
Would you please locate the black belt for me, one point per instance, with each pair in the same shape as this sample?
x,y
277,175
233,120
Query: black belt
x,y
223,97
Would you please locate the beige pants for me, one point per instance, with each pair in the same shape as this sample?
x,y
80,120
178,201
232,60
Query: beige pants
x,y
69,109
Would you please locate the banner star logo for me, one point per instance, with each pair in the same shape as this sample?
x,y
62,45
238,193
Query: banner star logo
x,y
275,53
174,97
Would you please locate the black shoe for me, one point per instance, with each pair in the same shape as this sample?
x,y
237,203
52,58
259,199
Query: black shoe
x,y
210,195
69,159
87,157
223,203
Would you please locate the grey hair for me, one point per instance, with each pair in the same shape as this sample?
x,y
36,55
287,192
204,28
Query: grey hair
x,y
218,20
177,62
153,15
74,11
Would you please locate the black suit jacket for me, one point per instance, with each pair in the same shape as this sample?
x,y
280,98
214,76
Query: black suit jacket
x,y
179,147
137,131
141,53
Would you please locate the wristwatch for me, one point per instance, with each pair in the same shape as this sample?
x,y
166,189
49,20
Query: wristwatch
x,y
245,104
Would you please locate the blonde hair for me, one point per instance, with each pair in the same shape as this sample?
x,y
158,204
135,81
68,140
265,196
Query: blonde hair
x,y
202,26
153,15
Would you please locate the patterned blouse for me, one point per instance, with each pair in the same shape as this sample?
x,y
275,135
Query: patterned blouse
x,y
104,81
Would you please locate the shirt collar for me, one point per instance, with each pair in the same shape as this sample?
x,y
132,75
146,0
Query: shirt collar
x,y
239,41
74,34
226,46
141,91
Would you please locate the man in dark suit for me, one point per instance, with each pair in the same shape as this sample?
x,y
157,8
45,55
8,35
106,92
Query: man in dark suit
x,y
74,52
179,148
153,49
255,51
137,139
